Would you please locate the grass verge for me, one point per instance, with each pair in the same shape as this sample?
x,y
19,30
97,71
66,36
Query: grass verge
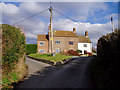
x,y
56,58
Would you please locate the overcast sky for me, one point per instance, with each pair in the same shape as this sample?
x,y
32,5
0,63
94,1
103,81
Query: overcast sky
x,y
91,16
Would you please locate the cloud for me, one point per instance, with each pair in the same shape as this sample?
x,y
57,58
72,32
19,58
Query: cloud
x,y
95,31
39,24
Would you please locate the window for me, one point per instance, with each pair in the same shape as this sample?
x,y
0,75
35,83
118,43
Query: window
x,y
57,42
85,45
42,50
71,42
42,43
57,50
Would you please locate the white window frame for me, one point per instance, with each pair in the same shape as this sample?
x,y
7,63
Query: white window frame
x,y
42,42
42,50
84,45
57,50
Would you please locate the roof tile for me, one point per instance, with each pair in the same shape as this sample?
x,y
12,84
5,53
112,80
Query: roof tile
x,y
64,33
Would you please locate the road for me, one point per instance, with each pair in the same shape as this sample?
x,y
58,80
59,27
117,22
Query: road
x,y
75,74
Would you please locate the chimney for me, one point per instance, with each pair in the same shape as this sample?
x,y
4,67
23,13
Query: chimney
x,y
74,30
86,33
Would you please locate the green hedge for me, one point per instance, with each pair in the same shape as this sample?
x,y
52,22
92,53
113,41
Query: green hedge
x,y
108,62
13,47
31,48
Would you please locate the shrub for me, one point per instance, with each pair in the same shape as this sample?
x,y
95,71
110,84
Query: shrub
x,y
108,52
74,53
31,48
90,54
13,47
79,51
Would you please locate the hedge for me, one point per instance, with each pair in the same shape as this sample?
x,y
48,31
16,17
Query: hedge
x,y
31,48
107,62
13,47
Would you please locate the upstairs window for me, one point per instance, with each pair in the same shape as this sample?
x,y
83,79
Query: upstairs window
x,y
57,42
42,43
71,42
85,45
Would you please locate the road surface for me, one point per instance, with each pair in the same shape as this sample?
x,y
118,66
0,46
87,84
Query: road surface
x,y
75,74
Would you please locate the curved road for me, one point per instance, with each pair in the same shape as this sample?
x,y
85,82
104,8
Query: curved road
x,y
75,74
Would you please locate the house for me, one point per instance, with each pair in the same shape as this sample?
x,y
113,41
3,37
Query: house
x,y
63,41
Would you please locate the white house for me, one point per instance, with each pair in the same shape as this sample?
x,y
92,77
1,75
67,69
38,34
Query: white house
x,y
84,43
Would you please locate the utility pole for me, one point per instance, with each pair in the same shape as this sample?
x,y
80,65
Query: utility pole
x,y
112,24
51,30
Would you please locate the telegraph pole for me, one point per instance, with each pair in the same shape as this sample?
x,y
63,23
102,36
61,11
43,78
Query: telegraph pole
x,y
50,9
112,24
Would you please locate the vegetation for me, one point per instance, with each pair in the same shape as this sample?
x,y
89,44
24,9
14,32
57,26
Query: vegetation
x,y
79,51
105,66
56,58
73,53
31,48
13,54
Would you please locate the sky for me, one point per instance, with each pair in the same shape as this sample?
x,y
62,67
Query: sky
x,y
91,16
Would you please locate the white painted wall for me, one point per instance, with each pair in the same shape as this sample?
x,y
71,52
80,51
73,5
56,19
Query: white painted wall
x,y
82,48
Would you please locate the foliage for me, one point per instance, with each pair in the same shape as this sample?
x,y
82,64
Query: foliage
x,y
107,63
13,47
74,53
90,54
79,51
31,48
94,50
6,81
56,58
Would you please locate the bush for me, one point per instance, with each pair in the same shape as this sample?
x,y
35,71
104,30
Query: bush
x,y
79,51
108,52
31,48
74,53
13,47
90,54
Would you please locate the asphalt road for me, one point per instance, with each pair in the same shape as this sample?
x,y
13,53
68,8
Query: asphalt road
x,y
75,74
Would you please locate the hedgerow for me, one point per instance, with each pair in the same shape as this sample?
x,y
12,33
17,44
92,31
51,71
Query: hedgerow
x,y
13,47
31,48
106,65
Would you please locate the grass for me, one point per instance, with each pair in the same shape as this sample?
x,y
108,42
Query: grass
x,y
8,79
56,58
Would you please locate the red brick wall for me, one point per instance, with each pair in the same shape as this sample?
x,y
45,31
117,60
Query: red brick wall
x,y
64,43
43,47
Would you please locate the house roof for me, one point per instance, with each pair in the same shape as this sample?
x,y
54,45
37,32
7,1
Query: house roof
x,y
42,37
83,39
57,33
64,33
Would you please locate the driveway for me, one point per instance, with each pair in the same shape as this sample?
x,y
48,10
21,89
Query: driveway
x,y
75,74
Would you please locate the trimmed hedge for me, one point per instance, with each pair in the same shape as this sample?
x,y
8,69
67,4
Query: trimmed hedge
x,y
13,47
107,62
31,48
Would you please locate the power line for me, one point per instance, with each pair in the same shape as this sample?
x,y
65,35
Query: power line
x,y
73,20
31,16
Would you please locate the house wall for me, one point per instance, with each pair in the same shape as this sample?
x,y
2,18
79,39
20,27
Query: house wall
x,y
88,48
45,47
64,43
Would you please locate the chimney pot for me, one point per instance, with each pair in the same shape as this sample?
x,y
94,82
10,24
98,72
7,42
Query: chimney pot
x,y
74,30
86,33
